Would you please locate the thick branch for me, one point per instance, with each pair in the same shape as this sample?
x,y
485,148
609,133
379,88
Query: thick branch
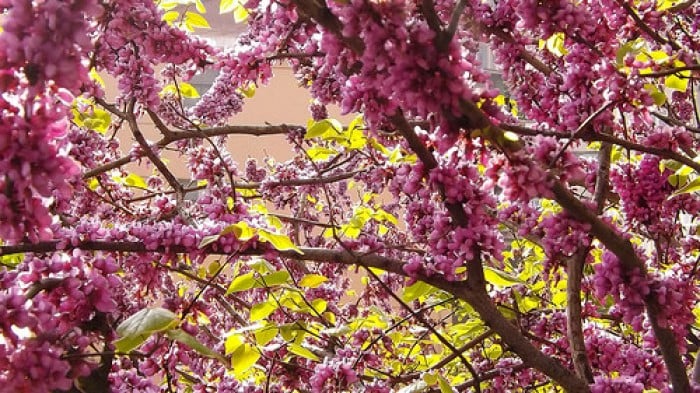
x,y
479,300
624,250
611,139
574,270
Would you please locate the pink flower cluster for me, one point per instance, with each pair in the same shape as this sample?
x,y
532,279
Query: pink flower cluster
x,y
628,289
58,308
32,169
135,39
333,376
400,63
48,41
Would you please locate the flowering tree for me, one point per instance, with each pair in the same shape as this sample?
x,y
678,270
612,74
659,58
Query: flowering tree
x,y
494,255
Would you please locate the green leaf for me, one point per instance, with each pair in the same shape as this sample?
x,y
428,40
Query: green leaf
x,y
444,385
279,241
499,278
262,310
312,280
189,340
139,327
416,290
241,283
195,20
243,359
303,352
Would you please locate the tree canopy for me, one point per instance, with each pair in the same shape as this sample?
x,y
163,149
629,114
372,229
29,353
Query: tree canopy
x,y
538,232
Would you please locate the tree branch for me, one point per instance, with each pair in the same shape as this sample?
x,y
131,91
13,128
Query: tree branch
x,y
629,260
172,136
478,299
645,28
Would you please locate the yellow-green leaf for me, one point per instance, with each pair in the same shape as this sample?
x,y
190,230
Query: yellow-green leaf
x,y
187,90
276,278
416,290
444,385
243,359
168,4
319,305
200,7
663,5
320,153
185,338
278,241
171,16
195,20
241,283
675,83
134,180
321,127
233,342
262,310
139,327
265,335
312,280
691,187
207,240
226,6
555,44
656,94
92,184
241,230
303,352
97,78
500,278
249,90
240,14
